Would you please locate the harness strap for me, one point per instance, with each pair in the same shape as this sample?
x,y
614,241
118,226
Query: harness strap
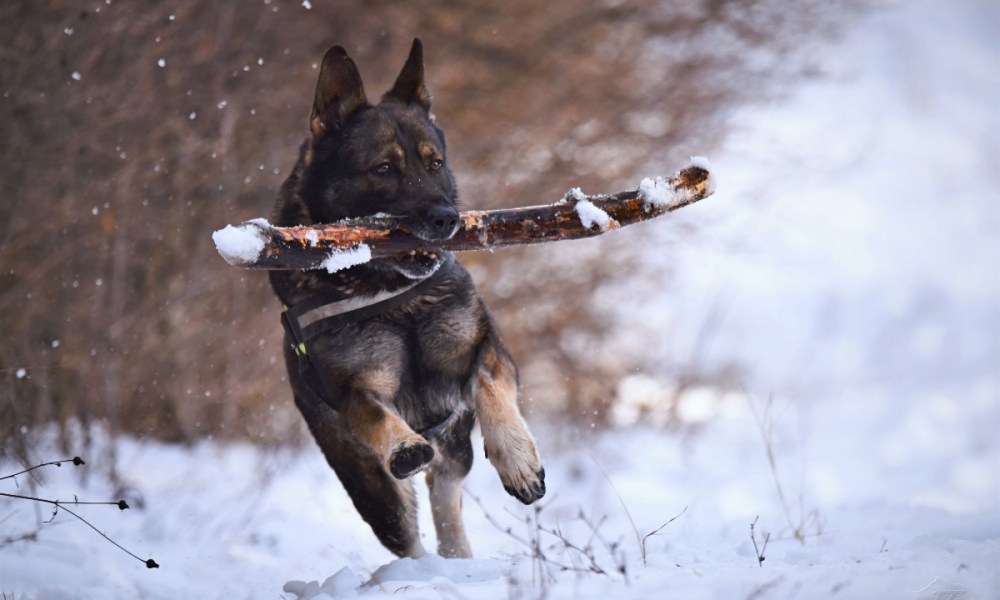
x,y
434,430
313,317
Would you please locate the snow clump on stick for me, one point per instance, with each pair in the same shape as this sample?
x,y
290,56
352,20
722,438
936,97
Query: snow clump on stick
x,y
345,259
241,244
659,193
590,215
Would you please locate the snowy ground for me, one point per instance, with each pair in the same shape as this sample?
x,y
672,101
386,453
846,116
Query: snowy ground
x,y
862,296
888,509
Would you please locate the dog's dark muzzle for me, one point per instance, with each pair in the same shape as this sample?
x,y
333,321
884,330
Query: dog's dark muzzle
x,y
437,224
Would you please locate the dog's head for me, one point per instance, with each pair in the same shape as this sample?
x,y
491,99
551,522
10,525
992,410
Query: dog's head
x,y
364,159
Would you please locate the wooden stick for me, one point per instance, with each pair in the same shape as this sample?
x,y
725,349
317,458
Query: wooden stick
x,y
259,245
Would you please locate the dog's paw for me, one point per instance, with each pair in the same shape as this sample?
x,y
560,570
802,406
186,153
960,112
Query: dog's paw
x,y
520,468
409,458
532,489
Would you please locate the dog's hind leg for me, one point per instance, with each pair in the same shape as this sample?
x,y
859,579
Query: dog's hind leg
x,y
387,504
509,445
444,479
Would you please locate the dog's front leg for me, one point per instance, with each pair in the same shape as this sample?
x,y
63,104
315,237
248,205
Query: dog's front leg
x,y
509,445
401,450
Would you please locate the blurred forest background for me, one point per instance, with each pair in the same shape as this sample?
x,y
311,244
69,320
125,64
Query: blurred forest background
x,y
133,130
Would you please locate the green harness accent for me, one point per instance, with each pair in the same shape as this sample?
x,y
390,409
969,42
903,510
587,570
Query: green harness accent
x,y
299,348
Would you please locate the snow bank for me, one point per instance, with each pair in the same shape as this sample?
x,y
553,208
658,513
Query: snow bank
x,y
241,244
345,259
343,583
432,566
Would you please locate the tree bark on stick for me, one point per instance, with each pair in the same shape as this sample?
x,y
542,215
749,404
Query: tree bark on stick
x,y
258,245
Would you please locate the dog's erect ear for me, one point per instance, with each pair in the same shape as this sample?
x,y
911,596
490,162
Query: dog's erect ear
x,y
409,87
339,92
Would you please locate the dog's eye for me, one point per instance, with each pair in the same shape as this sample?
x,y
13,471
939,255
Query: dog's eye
x,y
383,169
436,164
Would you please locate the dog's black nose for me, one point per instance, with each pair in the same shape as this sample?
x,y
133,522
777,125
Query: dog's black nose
x,y
441,222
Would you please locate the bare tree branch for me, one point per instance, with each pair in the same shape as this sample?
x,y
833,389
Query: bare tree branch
x,y
61,505
258,245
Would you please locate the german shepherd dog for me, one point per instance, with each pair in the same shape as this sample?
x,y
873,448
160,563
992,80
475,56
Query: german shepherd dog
x,y
396,387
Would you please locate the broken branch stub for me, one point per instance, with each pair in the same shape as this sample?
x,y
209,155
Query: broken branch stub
x,y
259,245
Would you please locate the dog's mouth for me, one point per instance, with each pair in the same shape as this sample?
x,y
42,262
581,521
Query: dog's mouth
x,y
418,264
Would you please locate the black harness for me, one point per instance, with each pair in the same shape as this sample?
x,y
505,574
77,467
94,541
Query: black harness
x,y
314,317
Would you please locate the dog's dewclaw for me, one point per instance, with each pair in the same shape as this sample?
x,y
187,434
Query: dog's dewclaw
x,y
258,245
